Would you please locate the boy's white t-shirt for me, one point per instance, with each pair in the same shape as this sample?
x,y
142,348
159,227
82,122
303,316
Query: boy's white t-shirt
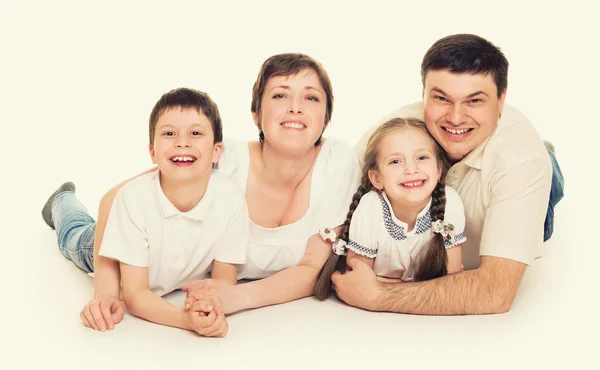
x,y
375,232
145,229
335,179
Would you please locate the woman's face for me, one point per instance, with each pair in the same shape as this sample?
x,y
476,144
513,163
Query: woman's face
x,y
293,111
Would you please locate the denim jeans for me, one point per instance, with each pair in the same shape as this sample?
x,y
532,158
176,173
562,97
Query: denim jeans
x,y
556,194
75,230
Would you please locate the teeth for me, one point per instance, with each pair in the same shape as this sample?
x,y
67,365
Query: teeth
x,y
293,125
456,132
414,183
182,159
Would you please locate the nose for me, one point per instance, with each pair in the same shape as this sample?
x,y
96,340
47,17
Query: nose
x,y
183,142
410,167
456,114
295,105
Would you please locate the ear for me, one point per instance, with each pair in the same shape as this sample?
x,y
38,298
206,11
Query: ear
x,y
217,150
439,175
152,153
375,180
256,118
501,101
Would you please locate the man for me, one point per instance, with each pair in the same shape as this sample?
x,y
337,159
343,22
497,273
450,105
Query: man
x,y
502,172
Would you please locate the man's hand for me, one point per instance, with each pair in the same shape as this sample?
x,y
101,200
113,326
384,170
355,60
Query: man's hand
x,y
358,286
102,312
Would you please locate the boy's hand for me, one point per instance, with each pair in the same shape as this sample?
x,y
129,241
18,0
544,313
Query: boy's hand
x,y
226,295
102,312
206,319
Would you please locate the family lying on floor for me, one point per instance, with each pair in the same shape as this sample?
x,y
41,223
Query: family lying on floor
x,y
412,219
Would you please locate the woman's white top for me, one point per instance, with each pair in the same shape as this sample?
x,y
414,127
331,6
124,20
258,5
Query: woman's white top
x,y
335,178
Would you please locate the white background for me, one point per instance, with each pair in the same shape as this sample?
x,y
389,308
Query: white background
x,y
78,81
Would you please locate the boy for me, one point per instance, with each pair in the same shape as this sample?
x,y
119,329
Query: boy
x,y
166,228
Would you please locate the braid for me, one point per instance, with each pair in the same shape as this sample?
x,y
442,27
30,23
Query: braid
x,y
334,262
364,188
433,264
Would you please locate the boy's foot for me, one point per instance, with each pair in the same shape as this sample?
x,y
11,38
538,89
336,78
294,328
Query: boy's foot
x,y
47,210
550,147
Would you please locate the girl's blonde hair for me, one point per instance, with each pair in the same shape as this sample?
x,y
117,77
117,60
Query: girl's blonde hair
x,y
433,263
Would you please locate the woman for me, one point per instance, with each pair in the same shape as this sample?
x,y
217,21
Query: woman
x,y
295,181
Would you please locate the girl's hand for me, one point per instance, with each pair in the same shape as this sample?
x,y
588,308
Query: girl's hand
x,y
102,312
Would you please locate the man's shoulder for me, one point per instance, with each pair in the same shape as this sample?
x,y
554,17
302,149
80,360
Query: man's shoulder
x,y
516,141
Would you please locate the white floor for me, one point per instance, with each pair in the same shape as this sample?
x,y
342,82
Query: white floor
x,y
78,82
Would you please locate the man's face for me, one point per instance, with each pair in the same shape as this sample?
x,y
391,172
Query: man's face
x,y
461,110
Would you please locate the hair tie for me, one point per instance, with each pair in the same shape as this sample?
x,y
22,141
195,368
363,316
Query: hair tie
x,y
337,245
446,229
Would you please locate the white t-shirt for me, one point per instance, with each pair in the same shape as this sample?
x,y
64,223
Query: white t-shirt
x,y
375,232
335,178
145,229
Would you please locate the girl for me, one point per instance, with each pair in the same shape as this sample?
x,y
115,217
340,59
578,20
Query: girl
x,y
403,221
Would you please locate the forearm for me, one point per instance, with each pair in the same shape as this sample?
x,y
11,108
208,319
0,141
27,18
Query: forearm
x,y
107,277
149,306
285,286
468,292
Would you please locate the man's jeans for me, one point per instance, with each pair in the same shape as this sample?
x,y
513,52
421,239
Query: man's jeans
x,y
556,194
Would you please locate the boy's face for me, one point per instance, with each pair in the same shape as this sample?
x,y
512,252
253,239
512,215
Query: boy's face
x,y
461,110
293,110
184,147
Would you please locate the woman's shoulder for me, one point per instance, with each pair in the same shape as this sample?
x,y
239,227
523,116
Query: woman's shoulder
x,y
336,153
235,153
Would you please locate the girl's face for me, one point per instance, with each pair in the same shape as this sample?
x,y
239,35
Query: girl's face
x,y
407,167
293,111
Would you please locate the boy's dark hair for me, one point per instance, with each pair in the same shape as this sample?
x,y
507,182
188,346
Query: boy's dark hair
x,y
467,53
186,98
285,65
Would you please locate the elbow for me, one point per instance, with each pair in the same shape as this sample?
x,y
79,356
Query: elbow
x,y
132,302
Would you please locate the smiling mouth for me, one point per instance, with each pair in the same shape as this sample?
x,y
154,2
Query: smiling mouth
x,y
457,132
293,125
413,184
183,159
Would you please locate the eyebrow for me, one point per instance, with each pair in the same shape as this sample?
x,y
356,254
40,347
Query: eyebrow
x,y
168,125
472,95
420,150
287,87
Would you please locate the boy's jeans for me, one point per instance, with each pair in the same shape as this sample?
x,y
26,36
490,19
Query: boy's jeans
x,y
75,229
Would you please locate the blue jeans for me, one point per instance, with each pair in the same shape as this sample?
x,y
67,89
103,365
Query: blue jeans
x,y
75,230
556,194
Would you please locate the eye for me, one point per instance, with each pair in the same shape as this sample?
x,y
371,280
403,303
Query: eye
x,y
394,161
313,98
475,101
422,157
196,133
440,98
278,96
168,133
